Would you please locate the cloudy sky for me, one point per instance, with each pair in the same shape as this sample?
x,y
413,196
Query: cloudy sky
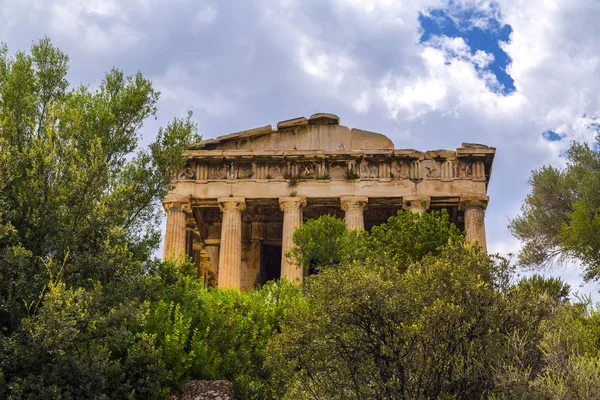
x,y
520,75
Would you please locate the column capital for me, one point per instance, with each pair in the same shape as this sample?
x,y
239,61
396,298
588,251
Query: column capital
x,y
286,203
177,205
354,202
473,202
198,246
415,202
235,203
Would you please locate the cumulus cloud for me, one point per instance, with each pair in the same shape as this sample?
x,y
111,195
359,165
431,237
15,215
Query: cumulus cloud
x,y
448,82
496,72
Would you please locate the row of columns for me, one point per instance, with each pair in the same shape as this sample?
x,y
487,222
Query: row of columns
x,y
230,254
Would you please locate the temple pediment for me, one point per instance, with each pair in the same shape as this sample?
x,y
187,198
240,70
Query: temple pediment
x,y
320,131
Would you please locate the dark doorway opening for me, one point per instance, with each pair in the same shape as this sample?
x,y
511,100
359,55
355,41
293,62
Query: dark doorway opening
x,y
270,263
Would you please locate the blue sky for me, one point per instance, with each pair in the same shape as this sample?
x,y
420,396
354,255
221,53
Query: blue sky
x,y
521,76
486,37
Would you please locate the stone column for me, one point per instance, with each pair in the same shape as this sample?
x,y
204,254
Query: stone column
x,y
292,219
416,204
474,208
230,256
175,235
354,207
202,260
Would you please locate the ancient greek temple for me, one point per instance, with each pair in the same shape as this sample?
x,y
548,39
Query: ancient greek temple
x,y
236,205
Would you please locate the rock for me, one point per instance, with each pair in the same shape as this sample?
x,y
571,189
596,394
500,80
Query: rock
x,y
291,123
324,119
204,390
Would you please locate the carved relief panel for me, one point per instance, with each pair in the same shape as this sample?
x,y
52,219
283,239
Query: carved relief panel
x,y
186,174
307,170
218,171
430,169
275,172
463,169
245,171
337,170
368,170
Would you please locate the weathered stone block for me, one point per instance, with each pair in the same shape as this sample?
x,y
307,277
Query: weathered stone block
x,y
204,390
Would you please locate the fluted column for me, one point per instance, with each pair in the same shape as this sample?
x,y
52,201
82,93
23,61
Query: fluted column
x,y
474,208
292,219
354,208
230,256
416,204
175,235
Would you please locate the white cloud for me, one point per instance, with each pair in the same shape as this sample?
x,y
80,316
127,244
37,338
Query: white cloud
x,y
360,58
100,26
361,105
205,16
448,83
322,63
178,90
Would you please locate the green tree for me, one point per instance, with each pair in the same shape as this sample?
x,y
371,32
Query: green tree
x,y
76,185
432,317
318,242
402,239
219,334
567,367
559,220
373,331
408,311
79,206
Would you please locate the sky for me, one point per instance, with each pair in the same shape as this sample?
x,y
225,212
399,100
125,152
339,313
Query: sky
x,y
522,76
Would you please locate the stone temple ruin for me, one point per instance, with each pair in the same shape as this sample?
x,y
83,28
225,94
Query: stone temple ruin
x,y
236,205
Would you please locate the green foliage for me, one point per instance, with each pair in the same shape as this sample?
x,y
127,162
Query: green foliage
x,y
407,237
568,367
437,320
318,242
216,334
77,182
404,238
553,287
428,332
79,206
72,349
351,175
559,219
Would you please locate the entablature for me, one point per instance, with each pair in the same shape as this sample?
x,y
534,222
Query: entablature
x,y
471,161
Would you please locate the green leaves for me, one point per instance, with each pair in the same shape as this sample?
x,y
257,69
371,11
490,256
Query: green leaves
x,y
318,242
405,238
559,220
74,180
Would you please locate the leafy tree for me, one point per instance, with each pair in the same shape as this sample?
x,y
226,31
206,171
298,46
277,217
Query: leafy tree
x,y
559,219
220,334
375,332
432,318
568,366
79,206
76,185
407,237
404,238
409,311
318,242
